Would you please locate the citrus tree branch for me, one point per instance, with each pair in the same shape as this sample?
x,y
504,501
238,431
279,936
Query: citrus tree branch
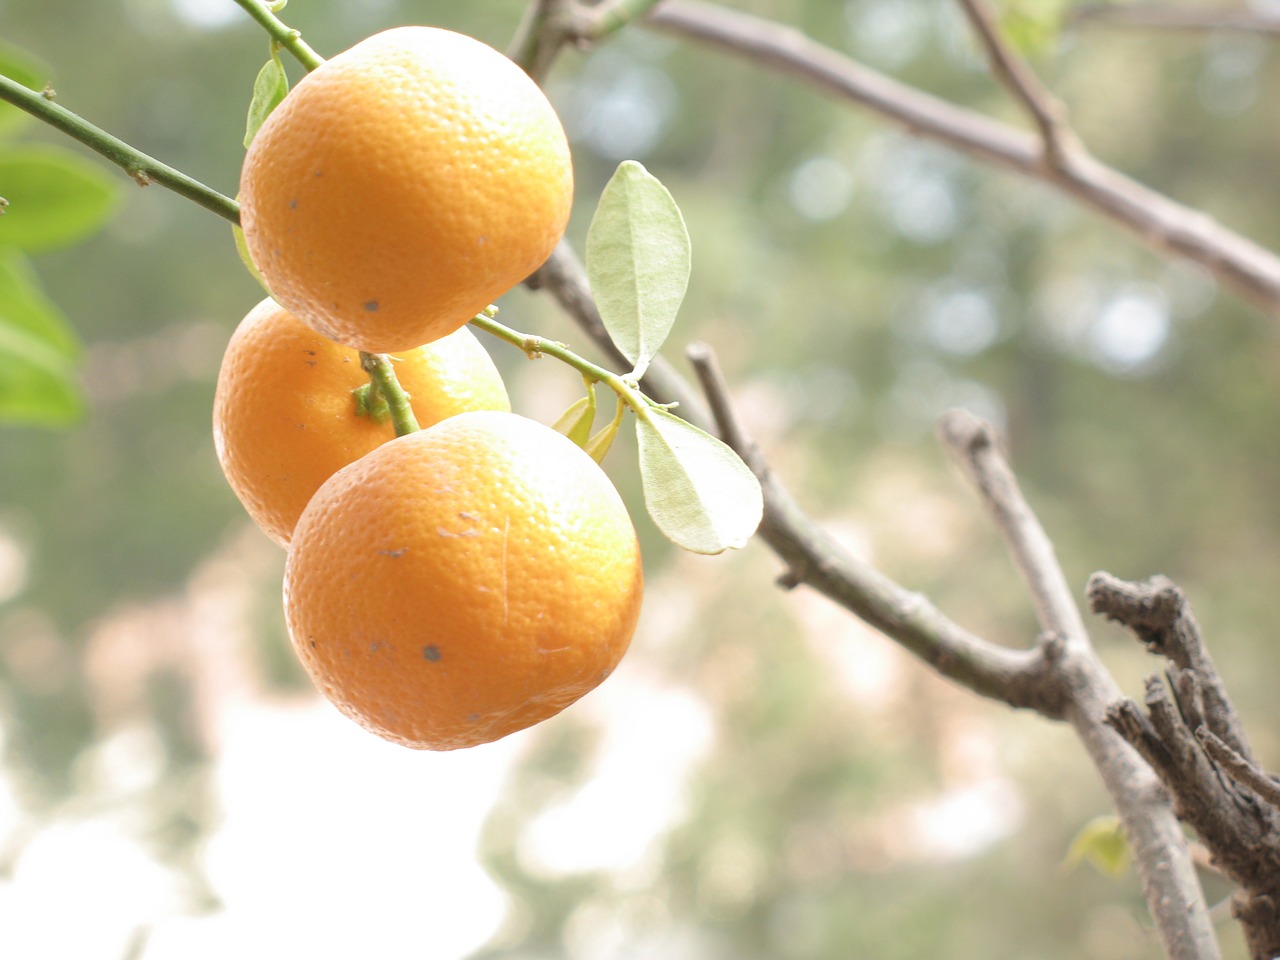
x,y
1162,16
1192,739
1156,220
282,33
1161,854
814,558
1060,142
535,347
548,26
143,169
973,445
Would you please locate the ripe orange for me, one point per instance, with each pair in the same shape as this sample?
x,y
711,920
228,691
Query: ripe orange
x,y
284,418
463,582
404,185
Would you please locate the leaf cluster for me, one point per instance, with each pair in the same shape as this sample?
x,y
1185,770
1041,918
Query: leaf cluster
x,y
52,198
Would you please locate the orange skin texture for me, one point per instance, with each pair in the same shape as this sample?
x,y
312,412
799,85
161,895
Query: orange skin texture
x,y
284,418
464,582
403,186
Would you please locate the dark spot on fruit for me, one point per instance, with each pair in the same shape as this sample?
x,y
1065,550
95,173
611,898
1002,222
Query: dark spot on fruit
x,y
293,204
432,653
393,554
371,306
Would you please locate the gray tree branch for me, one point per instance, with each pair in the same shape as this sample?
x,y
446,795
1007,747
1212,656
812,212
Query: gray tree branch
x,y
1167,16
1086,689
1060,142
1159,222
1192,738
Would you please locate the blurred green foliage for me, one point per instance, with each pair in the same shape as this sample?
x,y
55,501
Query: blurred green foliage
x,y
855,282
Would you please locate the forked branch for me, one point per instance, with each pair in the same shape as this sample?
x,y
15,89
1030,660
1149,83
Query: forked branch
x,y
1159,222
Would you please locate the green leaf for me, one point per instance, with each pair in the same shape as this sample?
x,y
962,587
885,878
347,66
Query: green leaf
x,y
25,306
637,262
1102,843
55,197
698,491
269,88
598,446
19,65
38,384
1033,26
575,423
242,248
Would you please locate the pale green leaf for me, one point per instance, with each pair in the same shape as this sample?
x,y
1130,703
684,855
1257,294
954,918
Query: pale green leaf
x,y
242,248
1033,26
698,491
55,197
1101,842
575,423
17,64
269,88
25,306
598,446
38,384
638,262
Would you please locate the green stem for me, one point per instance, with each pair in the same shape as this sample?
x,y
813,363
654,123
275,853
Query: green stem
x,y
382,375
535,347
282,33
611,17
142,168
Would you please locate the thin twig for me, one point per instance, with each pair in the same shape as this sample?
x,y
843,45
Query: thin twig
x,y
972,443
1060,142
1164,16
1016,677
1242,771
1160,851
282,33
143,169
1158,614
1157,221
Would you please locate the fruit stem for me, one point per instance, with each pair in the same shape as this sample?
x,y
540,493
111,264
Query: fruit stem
x,y
282,33
535,347
382,377
143,169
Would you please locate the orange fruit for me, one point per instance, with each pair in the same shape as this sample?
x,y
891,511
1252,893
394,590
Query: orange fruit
x,y
284,418
404,185
463,582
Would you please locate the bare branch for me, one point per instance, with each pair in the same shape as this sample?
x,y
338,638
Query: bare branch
x,y
1157,221
814,558
1197,745
1162,16
1157,613
1055,681
1243,771
972,444
1060,142
1160,852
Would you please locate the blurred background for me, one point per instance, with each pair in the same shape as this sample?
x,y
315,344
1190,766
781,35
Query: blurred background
x,y
763,776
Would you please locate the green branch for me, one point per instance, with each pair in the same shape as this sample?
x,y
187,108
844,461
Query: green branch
x,y
282,33
611,17
549,25
142,168
535,347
